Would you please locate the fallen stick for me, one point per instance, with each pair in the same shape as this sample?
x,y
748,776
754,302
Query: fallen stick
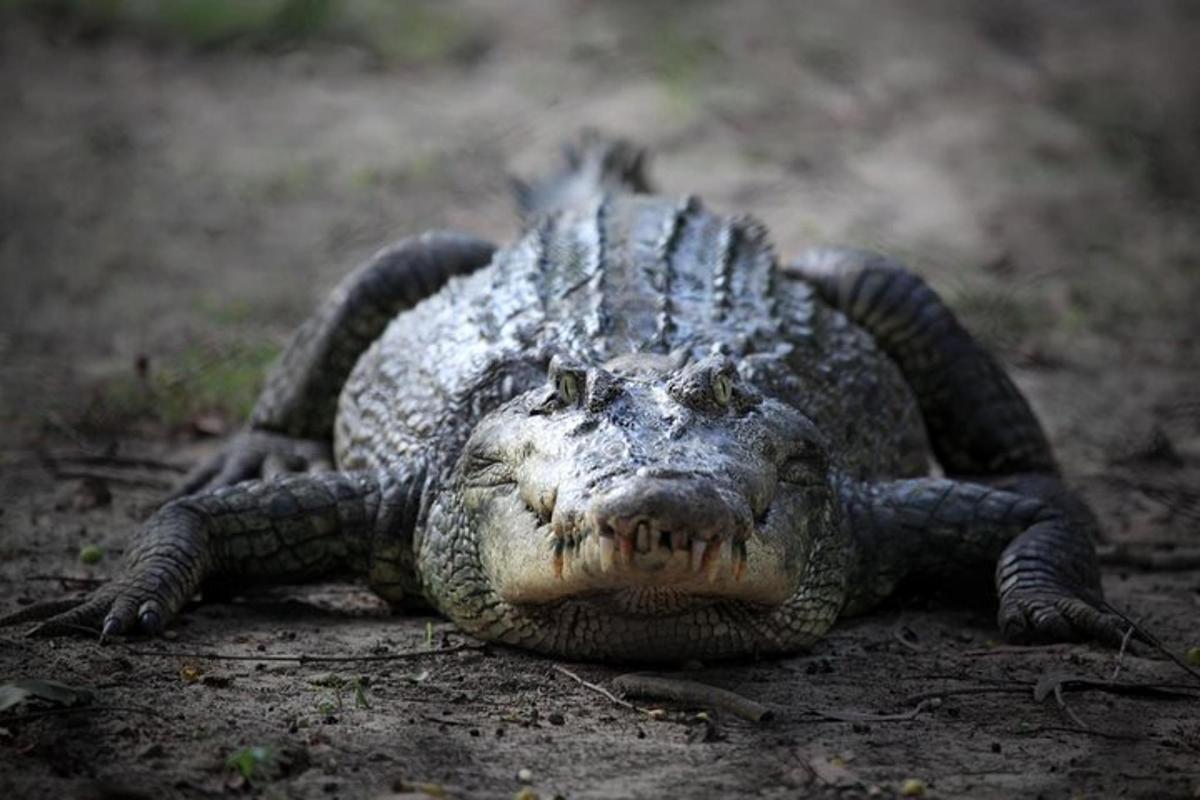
x,y
1176,560
130,462
598,689
111,477
53,712
835,715
684,691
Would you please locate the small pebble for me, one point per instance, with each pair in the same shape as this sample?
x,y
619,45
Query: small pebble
x,y
1193,656
90,554
912,787
555,718
525,775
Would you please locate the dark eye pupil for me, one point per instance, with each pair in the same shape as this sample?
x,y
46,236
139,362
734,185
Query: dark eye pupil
x,y
568,389
722,389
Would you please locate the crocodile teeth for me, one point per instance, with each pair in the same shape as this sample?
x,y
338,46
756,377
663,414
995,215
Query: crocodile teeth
x,y
679,541
697,555
739,560
608,549
626,549
558,558
643,538
712,560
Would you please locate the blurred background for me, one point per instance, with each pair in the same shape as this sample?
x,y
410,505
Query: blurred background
x,y
180,180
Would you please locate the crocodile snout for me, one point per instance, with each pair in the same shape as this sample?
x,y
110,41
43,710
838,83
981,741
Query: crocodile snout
x,y
686,524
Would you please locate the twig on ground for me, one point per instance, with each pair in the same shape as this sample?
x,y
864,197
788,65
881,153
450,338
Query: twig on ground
x,y
53,712
83,631
1124,555
685,691
961,678
111,477
86,581
101,460
1087,731
920,698
303,658
1066,709
1163,691
1121,654
595,687
907,639
1152,640
1176,691
1007,649
860,716
1055,682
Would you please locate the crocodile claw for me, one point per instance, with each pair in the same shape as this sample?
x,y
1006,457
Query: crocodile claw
x,y
112,626
1047,615
253,454
151,621
162,570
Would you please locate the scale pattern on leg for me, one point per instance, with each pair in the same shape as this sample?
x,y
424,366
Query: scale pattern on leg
x,y
290,528
931,528
982,429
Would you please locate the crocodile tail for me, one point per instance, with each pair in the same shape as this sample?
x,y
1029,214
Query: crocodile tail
x,y
595,165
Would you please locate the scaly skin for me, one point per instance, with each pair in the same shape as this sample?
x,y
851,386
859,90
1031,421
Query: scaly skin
x,y
629,435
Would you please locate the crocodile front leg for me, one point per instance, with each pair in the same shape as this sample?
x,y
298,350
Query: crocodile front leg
x,y
290,528
292,423
943,530
982,430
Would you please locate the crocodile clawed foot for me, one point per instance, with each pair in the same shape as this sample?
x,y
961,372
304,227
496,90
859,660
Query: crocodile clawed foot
x,y
254,454
163,569
121,607
1026,617
63,617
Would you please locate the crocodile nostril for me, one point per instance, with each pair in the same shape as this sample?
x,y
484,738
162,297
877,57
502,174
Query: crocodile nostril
x,y
542,504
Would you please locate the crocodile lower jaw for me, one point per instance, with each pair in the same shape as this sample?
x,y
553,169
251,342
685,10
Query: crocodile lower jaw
x,y
625,571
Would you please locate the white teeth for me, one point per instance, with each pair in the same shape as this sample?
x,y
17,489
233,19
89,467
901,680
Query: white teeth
x,y
643,538
607,549
712,562
679,541
697,556
626,544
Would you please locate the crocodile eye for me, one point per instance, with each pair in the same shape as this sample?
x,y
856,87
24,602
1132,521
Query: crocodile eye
x,y
566,386
722,388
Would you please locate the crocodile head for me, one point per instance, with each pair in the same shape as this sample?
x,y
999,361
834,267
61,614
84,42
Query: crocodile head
x,y
646,499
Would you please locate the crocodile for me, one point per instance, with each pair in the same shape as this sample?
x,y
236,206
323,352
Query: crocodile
x,y
632,434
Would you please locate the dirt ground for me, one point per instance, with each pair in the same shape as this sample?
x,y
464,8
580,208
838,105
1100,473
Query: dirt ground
x,y
171,208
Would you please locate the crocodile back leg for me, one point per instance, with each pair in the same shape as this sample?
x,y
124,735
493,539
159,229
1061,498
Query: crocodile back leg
x,y
983,432
978,422
291,426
